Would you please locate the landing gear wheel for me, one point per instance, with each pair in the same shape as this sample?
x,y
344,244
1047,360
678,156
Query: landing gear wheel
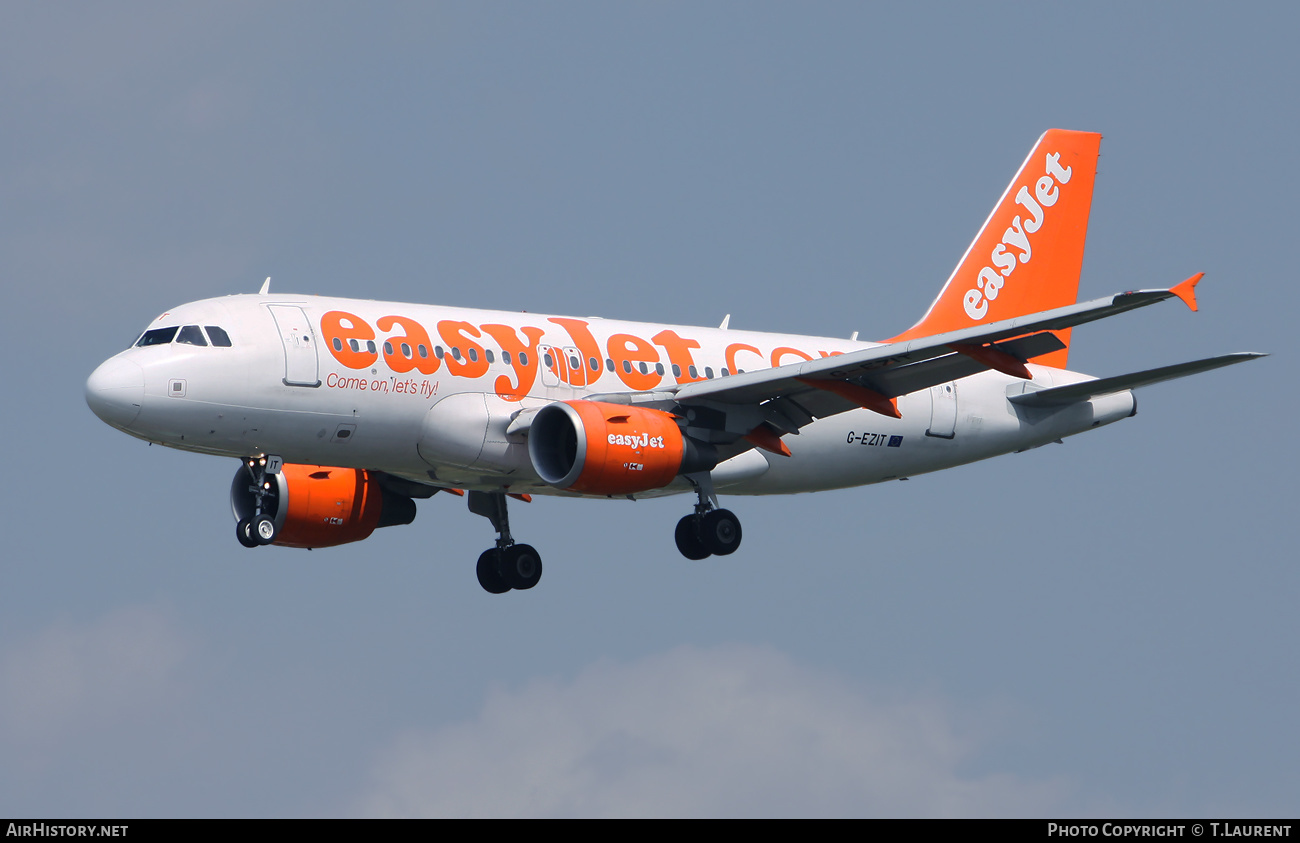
x,y
263,529
688,539
489,572
521,567
244,532
720,532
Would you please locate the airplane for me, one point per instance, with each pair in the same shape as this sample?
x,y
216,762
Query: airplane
x,y
343,412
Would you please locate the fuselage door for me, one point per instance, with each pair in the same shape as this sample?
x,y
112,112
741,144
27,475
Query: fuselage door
x,y
575,374
549,365
943,410
561,371
299,345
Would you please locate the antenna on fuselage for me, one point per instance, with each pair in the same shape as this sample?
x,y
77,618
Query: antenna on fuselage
x,y
853,338
725,320
266,286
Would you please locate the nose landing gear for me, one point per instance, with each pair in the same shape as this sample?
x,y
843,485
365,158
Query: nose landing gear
x,y
260,528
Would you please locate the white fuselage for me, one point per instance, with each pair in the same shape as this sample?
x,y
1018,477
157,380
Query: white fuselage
x,y
427,393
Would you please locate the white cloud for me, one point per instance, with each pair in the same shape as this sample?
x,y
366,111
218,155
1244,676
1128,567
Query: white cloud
x,y
70,677
726,731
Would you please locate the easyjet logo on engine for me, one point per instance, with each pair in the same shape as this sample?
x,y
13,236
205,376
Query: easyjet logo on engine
x,y
1045,195
636,440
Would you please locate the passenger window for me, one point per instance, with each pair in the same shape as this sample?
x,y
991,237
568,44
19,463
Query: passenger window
x,y
219,337
158,336
505,357
490,357
191,335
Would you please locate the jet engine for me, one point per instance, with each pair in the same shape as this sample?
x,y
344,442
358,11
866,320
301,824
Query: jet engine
x,y
321,506
611,449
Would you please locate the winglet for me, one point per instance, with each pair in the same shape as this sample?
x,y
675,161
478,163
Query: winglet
x,y
266,286
1186,290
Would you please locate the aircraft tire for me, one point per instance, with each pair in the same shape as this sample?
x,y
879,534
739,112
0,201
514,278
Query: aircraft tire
x,y
721,532
244,532
521,566
688,540
263,529
489,572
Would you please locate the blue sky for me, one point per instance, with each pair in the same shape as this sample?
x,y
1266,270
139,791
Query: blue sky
x,y
1105,627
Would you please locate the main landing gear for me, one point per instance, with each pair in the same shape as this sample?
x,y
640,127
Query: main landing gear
x,y
508,565
708,531
260,528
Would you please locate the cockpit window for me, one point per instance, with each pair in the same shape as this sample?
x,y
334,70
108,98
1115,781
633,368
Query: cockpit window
x,y
158,336
191,335
218,336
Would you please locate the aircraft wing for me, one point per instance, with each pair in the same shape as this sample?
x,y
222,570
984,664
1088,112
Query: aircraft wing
x,y
791,396
904,367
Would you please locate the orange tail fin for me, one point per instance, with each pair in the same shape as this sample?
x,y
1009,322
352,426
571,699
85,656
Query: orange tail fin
x,y
1028,255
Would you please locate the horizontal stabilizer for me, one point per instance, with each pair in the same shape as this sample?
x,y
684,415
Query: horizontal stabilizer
x,y
1061,395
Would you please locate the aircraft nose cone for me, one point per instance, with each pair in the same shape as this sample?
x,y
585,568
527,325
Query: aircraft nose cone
x,y
115,391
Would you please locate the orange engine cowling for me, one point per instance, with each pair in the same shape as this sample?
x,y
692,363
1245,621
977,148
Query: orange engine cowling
x,y
610,449
323,506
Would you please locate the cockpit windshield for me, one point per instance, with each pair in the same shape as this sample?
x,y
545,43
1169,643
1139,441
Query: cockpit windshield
x,y
158,336
191,335
188,335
